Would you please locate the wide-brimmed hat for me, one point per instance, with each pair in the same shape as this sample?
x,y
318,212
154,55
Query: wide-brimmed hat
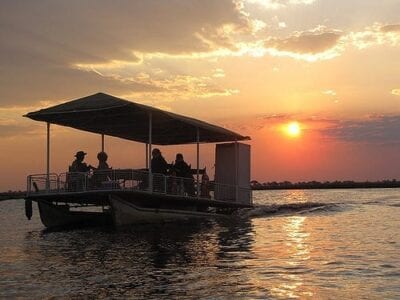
x,y
80,153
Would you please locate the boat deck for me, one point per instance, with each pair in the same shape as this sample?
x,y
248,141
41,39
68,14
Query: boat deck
x,y
95,188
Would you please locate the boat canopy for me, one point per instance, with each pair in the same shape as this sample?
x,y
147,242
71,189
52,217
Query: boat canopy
x,y
109,115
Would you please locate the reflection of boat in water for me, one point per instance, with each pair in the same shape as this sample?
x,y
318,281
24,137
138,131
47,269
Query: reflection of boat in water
x,y
127,196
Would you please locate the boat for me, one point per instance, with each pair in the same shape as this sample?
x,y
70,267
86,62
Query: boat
x,y
131,196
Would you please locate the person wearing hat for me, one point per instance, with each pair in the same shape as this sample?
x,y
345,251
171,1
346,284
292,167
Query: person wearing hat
x,y
78,165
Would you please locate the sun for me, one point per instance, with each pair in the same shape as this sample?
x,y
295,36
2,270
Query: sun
x,y
293,129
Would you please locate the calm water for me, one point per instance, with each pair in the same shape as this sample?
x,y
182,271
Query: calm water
x,y
348,247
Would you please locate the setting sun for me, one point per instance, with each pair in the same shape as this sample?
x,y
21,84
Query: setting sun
x,y
293,129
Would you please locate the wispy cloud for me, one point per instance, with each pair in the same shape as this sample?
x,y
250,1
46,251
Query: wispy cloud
x,y
174,87
396,92
279,4
374,35
375,129
319,43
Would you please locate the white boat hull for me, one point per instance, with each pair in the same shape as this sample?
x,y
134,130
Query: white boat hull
x,y
125,212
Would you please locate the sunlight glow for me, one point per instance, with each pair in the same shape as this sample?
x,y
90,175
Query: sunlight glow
x,y
293,129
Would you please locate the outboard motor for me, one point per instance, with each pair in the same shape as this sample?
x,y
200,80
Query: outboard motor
x,y
28,208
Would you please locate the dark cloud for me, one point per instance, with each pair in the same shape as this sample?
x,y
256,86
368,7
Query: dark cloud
x,y
305,42
391,28
100,30
46,81
382,130
42,40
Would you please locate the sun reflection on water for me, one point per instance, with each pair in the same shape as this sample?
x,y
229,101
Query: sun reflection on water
x,y
298,252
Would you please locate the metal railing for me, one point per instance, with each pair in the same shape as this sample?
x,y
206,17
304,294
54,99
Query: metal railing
x,y
135,180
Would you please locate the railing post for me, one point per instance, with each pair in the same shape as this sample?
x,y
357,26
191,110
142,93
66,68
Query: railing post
x,y
48,159
132,179
28,185
85,182
236,171
198,162
149,154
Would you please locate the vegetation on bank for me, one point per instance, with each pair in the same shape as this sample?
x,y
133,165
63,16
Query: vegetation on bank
x,y
284,185
287,185
12,195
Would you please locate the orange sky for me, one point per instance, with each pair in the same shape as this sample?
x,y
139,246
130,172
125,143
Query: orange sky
x,y
250,65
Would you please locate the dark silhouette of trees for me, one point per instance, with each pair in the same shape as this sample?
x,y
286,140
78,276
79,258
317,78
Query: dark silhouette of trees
x,y
348,184
12,195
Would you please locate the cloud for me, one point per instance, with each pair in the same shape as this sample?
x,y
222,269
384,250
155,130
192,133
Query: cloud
x,y
12,128
172,87
376,129
374,35
329,92
98,31
56,50
46,40
305,42
279,4
322,43
391,28
396,92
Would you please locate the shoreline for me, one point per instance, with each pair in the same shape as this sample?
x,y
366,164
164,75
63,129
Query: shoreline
x,y
321,188
277,186
12,195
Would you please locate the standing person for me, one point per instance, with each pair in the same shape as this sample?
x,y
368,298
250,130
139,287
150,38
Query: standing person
x,y
158,162
78,165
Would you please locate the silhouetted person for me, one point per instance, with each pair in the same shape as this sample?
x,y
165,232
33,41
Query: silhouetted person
x,y
78,165
75,182
182,169
102,174
102,157
158,163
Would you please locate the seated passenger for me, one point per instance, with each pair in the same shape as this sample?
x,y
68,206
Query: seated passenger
x,y
158,162
76,182
182,169
158,166
78,165
102,174
102,157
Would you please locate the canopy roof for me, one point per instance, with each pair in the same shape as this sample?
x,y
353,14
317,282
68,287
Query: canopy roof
x,y
109,115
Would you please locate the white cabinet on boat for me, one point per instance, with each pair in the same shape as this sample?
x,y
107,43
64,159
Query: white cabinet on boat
x,y
232,172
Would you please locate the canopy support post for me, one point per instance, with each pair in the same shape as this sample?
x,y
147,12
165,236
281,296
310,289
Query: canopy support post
x,y
149,153
48,159
236,171
198,161
102,142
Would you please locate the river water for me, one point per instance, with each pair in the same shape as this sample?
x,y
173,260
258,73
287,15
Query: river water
x,y
311,244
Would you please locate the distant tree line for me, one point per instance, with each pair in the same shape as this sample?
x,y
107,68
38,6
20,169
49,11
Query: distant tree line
x,y
12,195
287,185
